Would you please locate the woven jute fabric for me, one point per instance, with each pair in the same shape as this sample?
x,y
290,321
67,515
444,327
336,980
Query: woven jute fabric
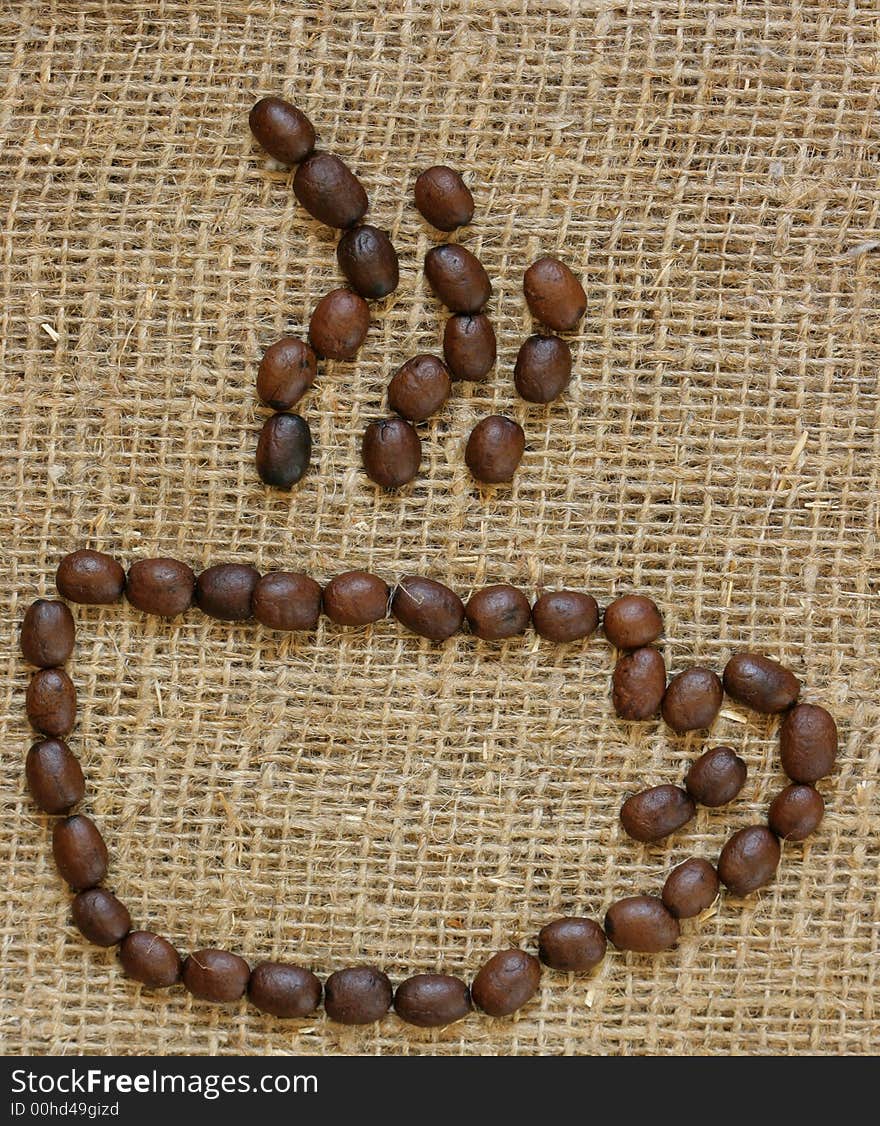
x,y
363,795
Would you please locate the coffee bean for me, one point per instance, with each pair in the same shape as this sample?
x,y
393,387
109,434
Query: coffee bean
x,y
749,860
427,607
356,598
690,888
573,944
808,743
543,369
443,198
287,601
54,776
653,814
90,577
432,1000
458,278
160,586
79,851
692,700
419,388
496,612
392,452
283,990
329,190
47,633
469,347
357,995
506,982
216,975
632,622
565,615
716,777
284,131
51,702
638,684
554,295
287,370
284,450
760,683
796,812
641,923
150,959
368,260
495,449
339,325
225,591
100,917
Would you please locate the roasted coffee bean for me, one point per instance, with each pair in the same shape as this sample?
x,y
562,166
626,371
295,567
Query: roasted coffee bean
x,y
632,622
653,814
427,607
79,851
495,449
443,198
90,577
469,347
287,370
432,1000
808,743
419,388
100,917
225,591
330,191
392,452
554,295
543,369
796,812
357,995
565,615
749,860
641,923
284,450
283,130
150,959
54,776
283,990
496,612
573,944
638,684
368,260
760,683
356,598
506,982
457,277
47,633
690,888
716,777
51,702
692,700
286,600
339,325
216,975
160,586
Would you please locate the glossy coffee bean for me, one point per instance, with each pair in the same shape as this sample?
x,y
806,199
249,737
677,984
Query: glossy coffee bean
x,y
565,615
330,191
543,369
216,975
356,598
367,258
150,959
339,325
47,633
419,388
759,683
506,982
90,577
287,370
286,600
692,700
100,917
632,622
432,1000
469,347
427,607
638,684
160,586
357,995
716,777
284,990
690,888
443,198
225,591
495,449
80,852
749,860
458,278
796,812
653,814
50,702
641,923
391,451
573,944
54,776
497,612
284,450
808,743
284,131
554,295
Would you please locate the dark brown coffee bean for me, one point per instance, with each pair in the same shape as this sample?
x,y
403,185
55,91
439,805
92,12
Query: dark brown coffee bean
x,y
368,260
432,1000
150,959
90,577
160,586
457,277
283,990
284,131
357,995
573,944
554,295
716,777
419,388
284,450
565,615
469,347
285,600
749,860
692,700
51,702
760,683
79,851
356,598
216,975
543,369
495,449
496,612
690,888
443,198
54,776
100,917
796,812
641,923
427,607
653,814
329,190
638,684
632,622
287,370
808,743
225,591
47,633
392,452
506,982
339,325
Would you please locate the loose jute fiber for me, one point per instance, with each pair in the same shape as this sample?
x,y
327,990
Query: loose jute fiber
x,y
711,171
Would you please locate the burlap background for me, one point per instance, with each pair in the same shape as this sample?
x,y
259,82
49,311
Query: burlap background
x,y
712,171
